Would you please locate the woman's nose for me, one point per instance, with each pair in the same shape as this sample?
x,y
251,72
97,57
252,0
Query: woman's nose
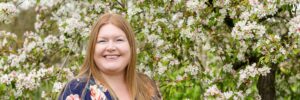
x,y
111,47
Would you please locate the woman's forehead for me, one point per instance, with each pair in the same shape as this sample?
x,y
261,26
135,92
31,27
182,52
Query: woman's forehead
x,y
111,30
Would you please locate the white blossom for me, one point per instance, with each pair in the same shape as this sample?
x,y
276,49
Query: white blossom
x,y
159,43
195,4
206,46
192,4
253,2
193,70
264,70
294,25
43,95
26,82
246,30
176,16
5,79
249,71
30,46
18,93
161,68
15,60
38,25
212,91
222,3
50,39
70,25
179,78
228,68
245,15
187,33
57,86
4,42
277,37
174,62
180,23
241,56
282,50
132,10
26,4
7,12
48,3
228,94
190,21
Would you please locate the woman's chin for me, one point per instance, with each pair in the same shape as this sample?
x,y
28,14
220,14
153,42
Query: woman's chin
x,y
112,71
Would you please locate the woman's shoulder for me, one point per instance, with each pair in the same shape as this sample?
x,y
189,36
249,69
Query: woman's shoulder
x,y
74,88
77,83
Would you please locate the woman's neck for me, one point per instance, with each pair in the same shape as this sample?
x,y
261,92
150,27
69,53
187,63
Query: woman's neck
x,y
118,85
112,79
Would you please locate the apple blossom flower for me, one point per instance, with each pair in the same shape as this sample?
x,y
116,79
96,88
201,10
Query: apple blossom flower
x,y
213,91
57,86
7,12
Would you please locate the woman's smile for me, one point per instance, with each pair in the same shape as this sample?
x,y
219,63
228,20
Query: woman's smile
x,y
111,57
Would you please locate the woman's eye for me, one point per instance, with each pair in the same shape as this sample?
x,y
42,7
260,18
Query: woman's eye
x,y
101,41
120,40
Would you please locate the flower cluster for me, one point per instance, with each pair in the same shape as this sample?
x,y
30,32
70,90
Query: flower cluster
x,y
247,30
26,4
57,86
193,70
195,4
252,71
25,81
294,25
5,37
213,91
7,12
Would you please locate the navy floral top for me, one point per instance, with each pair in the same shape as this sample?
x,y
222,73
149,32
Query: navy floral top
x,y
75,87
73,90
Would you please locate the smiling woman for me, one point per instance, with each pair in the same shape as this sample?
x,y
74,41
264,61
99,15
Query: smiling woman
x,y
109,69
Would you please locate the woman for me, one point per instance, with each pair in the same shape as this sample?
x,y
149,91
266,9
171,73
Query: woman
x,y
108,71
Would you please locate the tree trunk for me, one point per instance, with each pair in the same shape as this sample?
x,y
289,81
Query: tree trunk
x,y
266,86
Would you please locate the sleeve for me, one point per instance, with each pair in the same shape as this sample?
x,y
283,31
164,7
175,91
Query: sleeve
x,y
72,90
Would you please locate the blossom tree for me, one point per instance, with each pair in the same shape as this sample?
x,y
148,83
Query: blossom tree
x,y
194,49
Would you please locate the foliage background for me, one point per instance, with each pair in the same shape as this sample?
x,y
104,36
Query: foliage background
x,y
222,49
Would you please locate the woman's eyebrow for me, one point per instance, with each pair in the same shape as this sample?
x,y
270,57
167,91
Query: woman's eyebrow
x,y
104,37
101,37
120,36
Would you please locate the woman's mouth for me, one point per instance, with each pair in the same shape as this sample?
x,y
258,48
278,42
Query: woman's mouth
x,y
111,57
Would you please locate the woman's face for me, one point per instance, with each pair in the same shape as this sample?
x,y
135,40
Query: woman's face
x,y
112,50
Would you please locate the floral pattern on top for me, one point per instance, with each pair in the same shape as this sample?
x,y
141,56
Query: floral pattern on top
x,y
96,92
79,89
74,89
73,97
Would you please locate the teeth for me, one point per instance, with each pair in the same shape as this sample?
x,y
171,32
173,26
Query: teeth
x,y
111,57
